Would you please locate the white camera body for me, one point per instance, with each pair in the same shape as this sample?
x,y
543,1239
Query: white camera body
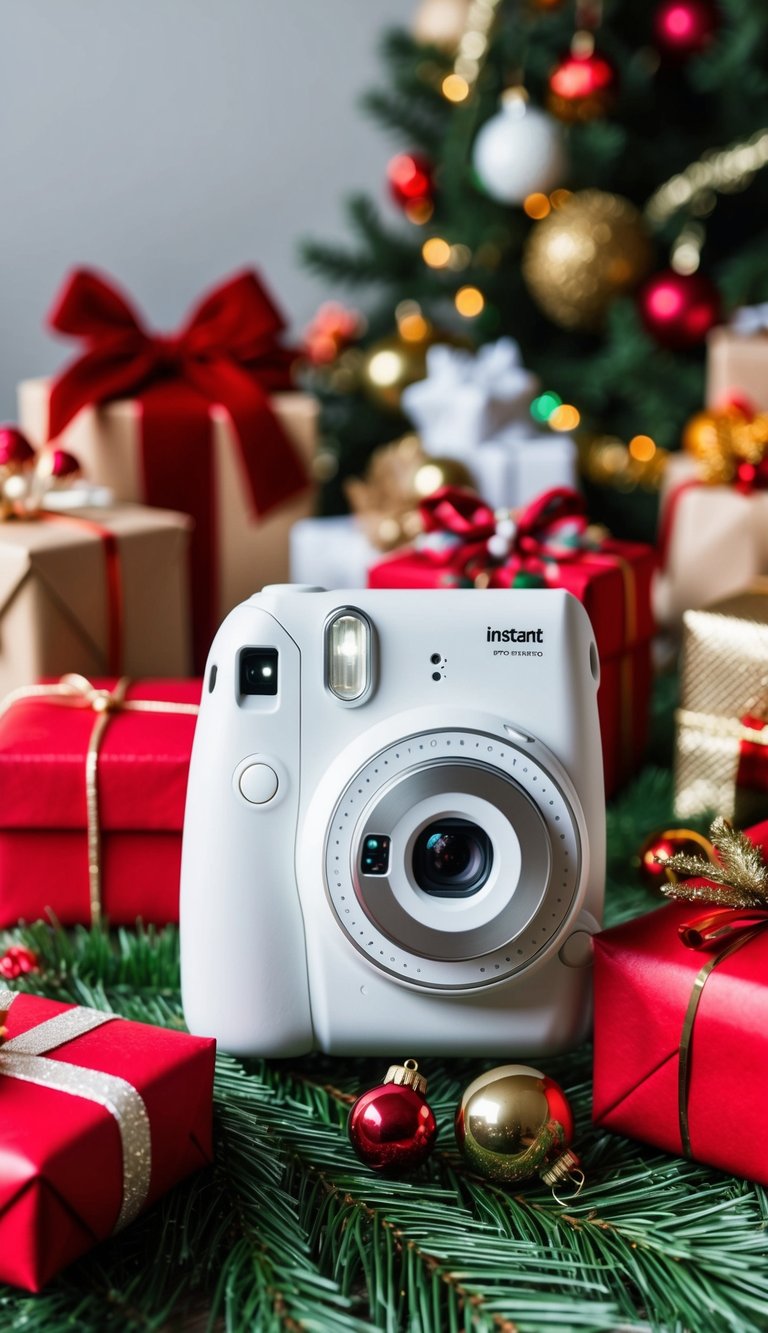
x,y
395,825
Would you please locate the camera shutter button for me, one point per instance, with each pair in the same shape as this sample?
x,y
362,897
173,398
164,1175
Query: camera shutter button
x,y
258,783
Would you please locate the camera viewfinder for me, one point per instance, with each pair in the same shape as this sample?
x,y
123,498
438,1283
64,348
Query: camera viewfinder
x,y
258,671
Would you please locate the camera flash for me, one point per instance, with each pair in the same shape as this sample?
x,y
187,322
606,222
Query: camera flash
x,y
348,656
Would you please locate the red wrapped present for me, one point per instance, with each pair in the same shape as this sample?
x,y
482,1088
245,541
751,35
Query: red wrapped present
x,y
466,543
681,1032
100,1118
94,778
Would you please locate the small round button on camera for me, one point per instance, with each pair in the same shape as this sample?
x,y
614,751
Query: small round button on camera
x,y
258,783
577,950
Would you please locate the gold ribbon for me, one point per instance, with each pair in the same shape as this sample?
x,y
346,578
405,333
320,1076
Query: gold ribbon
x,y
726,727
699,934
23,1057
78,692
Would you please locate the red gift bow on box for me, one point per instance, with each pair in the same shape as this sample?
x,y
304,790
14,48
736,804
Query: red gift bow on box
x,y
534,540
227,353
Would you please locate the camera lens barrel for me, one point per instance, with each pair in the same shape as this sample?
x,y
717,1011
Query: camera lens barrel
x,y
452,858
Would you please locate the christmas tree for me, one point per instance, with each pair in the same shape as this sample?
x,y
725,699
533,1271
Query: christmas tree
x,y
585,178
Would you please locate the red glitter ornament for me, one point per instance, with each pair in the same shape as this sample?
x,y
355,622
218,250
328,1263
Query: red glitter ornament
x,y
679,309
63,464
391,1127
17,962
410,180
583,85
15,449
683,28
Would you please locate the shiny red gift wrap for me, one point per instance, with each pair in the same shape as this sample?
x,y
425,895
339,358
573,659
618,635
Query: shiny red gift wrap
x,y
644,976
142,779
612,580
60,1154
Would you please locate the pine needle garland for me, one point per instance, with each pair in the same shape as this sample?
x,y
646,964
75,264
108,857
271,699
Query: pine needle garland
x,y
740,879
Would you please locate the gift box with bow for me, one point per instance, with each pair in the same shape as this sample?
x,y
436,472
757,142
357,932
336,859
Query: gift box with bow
x,y
681,1024
100,1118
94,778
202,420
713,533
548,544
474,406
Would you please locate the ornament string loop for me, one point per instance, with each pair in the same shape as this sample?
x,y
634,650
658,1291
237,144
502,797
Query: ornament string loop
x,y
76,691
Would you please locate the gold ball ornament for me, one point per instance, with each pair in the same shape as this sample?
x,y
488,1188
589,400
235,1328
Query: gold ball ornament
x,y
706,438
583,255
514,1123
437,472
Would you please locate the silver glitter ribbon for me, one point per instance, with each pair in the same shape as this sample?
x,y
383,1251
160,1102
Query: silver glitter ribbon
x,y
23,1057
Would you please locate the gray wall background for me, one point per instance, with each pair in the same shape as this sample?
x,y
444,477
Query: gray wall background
x,y
171,142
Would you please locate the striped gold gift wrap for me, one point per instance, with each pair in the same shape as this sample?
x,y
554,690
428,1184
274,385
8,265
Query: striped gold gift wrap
x,y
724,696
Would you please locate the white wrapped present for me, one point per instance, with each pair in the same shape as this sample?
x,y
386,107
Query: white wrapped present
x,y
713,541
474,406
331,552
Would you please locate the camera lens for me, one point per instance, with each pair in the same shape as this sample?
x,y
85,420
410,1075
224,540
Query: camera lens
x,y
258,671
452,858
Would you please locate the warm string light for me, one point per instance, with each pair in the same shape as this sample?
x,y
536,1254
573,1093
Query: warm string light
x,y
473,45
539,206
721,169
469,302
549,409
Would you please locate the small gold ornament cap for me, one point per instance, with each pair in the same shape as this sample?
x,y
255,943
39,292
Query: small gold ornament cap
x,y
407,1075
566,1167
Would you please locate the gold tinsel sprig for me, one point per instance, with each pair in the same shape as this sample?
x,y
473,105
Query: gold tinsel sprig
x,y
740,879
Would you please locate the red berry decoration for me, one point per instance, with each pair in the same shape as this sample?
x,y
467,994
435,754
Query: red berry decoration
x,y
391,1127
410,180
583,85
15,449
17,962
679,309
683,28
658,847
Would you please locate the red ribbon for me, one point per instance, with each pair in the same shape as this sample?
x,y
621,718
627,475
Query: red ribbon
x,y
536,540
227,353
723,926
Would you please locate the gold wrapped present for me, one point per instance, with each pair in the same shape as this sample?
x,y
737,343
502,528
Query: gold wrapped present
x,y
721,746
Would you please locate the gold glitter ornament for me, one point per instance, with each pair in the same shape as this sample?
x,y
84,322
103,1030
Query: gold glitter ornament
x,y
513,1123
583,255
392,363
386,500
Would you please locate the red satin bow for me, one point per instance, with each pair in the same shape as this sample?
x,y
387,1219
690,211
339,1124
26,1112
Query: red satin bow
x,y
226,353
534,542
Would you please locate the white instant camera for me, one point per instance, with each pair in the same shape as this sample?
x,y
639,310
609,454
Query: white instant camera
x,y
394,834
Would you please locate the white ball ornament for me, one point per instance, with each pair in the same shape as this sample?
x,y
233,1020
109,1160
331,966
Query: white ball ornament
x,y
519,151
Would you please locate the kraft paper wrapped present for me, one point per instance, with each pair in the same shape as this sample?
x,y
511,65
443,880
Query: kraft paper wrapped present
x,y
713,541
94,778
331,552
721,743
101,1117
681,1032
737,359
474,407
99,591
204,421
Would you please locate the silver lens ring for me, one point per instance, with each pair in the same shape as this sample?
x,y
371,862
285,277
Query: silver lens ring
x,y
444,943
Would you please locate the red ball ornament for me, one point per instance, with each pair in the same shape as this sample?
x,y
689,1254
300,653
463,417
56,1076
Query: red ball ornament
x,y
658,847
17,962
391,1127
583,85
683,28
63,464
410,180
679,309
15,449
